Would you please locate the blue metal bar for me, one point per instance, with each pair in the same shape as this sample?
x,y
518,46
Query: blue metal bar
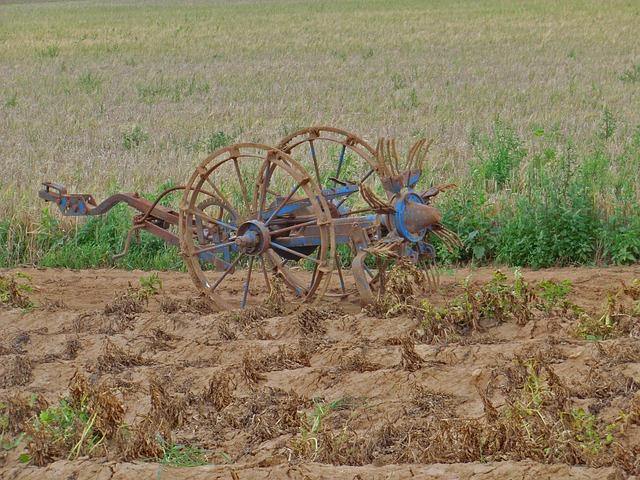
x,y
226,272
315,162
301,255
204,216
246,285
344,147
284,202
328,194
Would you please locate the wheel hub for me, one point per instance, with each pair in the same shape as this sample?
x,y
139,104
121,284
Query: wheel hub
x,y
253,238
413,216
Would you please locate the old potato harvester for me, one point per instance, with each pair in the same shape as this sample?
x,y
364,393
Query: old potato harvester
x,y
296,212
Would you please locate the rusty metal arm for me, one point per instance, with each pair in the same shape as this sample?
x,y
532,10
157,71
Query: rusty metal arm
x,y
82,204
153,218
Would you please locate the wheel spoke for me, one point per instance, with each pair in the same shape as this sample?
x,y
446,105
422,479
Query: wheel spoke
x,y
288,277
366,176
315,272
293,227
344,147
246,285
366,269
301,255
315,163
204,216
339,204
285,201
242,186
221,195
266,180
212,248
227,271
275,191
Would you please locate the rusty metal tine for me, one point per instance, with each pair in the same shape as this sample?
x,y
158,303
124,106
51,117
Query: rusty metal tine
x,y
411,155
395,156
453,236
427,275
450,240
434,274
127,242
415,159
424,152
380,157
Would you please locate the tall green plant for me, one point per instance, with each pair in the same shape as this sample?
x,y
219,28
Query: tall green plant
x,y
497,156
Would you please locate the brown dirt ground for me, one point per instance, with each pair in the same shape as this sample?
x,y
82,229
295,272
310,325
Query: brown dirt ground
x,y
274,367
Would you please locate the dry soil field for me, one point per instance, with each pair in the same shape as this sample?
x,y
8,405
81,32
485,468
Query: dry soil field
x,y
332,392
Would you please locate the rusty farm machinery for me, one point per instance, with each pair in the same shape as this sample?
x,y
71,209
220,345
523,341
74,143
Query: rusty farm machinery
x,y
322,203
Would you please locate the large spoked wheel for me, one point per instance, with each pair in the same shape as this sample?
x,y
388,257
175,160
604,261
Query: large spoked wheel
x,y
336,158
252,218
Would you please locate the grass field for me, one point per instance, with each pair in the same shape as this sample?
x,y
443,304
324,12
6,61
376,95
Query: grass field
x,y
530,104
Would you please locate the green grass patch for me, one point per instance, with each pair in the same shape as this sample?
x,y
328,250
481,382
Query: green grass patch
x,y
182,455
174,90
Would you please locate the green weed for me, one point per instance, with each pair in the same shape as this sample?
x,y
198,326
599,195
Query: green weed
x,y
175,91
498,156
497,300
586,432
134,300
467,212
619,315
7,443
608,124
214,141
49,51
553,295
82,423
12,100
181,455
90,82
308,444
133,138
539,414
631,75
67,428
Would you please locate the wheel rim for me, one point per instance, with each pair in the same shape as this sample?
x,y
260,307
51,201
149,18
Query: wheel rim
x,y
272,223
